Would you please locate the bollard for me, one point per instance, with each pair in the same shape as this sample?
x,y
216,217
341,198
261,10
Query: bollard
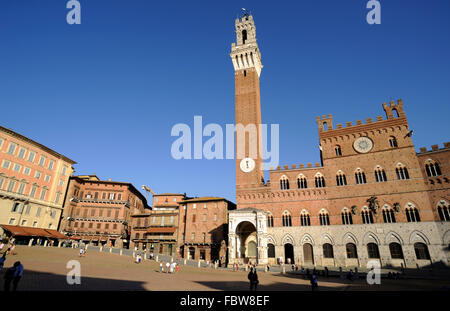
x,y
199,263
110,249
134,254
157,257
184,261
283,270
171,259
101,248
120,252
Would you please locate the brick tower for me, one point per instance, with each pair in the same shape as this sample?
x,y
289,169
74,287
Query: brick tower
x,y
247,65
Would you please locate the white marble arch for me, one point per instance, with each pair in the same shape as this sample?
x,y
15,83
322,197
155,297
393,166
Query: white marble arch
x,y
392,237
306,238
417,236
370,237
287,238
446,237
349,238
326,238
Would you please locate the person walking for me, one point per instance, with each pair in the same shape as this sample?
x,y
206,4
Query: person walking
x,y
253,278
9,277
167,267
177,268
314,282
2,261
160,267
17,274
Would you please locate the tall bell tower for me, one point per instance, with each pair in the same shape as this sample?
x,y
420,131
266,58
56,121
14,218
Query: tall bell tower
x,y
247,64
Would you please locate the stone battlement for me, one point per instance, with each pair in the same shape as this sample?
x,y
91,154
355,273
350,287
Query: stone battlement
x,y
434,148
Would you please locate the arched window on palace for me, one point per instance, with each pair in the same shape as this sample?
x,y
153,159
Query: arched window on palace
x,y
402,172
372,250
360,176
443,210
432,168
338,150
367,216
421,250
393,142
328,251
412,213
346,217
341,180
284,183
304,219
287,220
396,250
351,250
270,250
319,180
380,174
388,214
269,221
324,218
301,182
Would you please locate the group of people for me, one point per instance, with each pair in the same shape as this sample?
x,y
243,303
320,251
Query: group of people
x,y
13,274
170,267
83,251
11,246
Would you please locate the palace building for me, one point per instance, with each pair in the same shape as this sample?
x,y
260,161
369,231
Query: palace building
x,y
370,197
98,212
33,182
180,226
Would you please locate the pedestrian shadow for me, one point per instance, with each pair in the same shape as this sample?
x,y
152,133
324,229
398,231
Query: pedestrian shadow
x,y
245,286
42,281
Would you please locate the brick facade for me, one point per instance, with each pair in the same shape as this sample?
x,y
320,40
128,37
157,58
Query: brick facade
x,y
99,212
370,189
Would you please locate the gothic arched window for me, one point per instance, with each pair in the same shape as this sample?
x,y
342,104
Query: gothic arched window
x,y
372,250
396,250
388,215
304,219
432,168
412,213
270,221
360,177
444,211
301,182
319,180
341,180
367,216
421,250
346,217
351,250
380,174
287,220
338,150
328,251
402,172
284,183
324,218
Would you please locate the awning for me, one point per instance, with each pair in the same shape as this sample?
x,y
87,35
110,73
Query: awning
x,y
161,230
33,232
27,231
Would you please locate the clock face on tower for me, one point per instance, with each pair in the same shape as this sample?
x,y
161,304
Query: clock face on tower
x,y
247,165
363,144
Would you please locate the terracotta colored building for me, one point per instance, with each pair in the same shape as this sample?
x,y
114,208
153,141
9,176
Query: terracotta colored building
x,y
203,231
370,197
33,182
156,230
98,212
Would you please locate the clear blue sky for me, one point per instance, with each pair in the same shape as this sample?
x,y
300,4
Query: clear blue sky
x,y
106,93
